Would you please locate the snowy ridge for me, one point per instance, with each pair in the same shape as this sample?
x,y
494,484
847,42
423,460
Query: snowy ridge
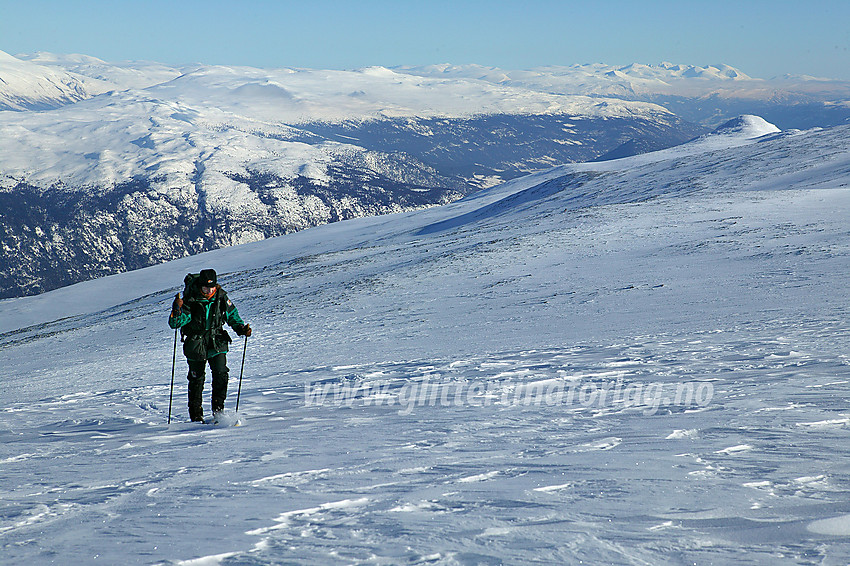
x,y
302,95
634,82
642,361
596,79
28,86
118,76
707,95
633,79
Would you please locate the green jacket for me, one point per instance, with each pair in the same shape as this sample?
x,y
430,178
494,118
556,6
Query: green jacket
x,y
201,323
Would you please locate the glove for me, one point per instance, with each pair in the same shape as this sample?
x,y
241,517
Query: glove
x,y
177,305
244,330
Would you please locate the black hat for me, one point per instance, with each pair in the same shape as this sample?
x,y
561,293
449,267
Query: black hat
x,y
207,278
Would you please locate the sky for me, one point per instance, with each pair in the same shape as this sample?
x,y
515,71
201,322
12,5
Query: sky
x,y
763,39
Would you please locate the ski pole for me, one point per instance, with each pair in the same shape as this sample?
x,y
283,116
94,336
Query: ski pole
x,y
173,363
239,391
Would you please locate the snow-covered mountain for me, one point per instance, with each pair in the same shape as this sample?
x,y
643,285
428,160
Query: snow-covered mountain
x,y
592,79
706,95
30,86
638,361
121,76
162,166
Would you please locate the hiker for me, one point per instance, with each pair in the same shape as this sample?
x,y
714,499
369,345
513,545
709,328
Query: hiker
x,y
200,315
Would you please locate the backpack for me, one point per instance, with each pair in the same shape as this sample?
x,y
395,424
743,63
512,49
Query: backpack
x,y
189,282
189,294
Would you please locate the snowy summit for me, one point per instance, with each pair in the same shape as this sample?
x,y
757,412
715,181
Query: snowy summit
x,y
747,126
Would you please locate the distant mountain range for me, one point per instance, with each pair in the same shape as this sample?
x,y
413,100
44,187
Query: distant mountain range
x,y
707,95
109,167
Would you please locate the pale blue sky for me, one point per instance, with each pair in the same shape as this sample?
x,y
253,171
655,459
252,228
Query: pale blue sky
x,y
761,38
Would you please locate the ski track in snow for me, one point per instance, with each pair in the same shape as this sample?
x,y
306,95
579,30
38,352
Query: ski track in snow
x,y
446,434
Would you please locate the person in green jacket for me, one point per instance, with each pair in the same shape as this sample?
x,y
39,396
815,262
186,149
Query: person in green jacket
x,y
200,315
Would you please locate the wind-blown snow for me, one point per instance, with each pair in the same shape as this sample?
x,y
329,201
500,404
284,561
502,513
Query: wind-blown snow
x,y
641,361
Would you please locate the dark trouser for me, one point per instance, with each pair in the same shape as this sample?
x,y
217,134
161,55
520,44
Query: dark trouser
x,y
220,373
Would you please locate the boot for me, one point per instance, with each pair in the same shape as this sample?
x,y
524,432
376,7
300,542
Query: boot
x,y
217,406
196,414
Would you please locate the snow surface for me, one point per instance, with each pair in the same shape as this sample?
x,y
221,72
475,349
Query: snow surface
x,y
641,361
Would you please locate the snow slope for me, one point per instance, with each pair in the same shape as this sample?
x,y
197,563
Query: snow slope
x,y
29,86
641,361
42,81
